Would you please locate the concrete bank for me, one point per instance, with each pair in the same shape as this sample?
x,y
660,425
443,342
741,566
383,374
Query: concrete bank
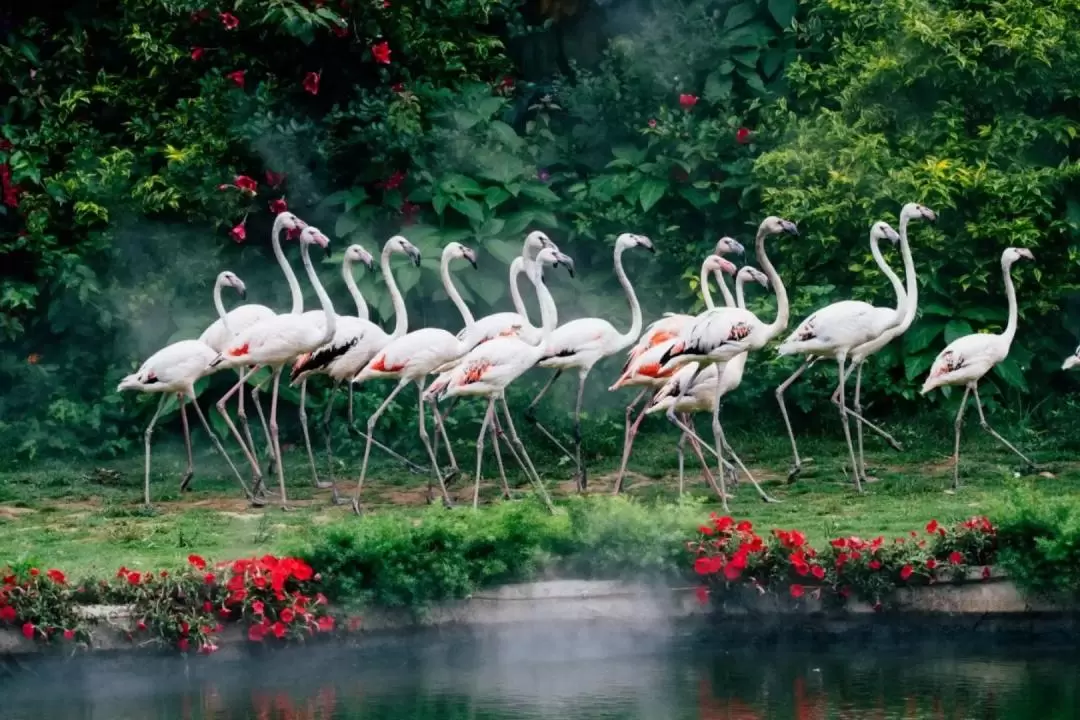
x,y
972,605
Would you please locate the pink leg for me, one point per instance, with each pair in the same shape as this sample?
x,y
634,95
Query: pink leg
x,y
370,432
628,446
256,472
480,450
275,438
184,481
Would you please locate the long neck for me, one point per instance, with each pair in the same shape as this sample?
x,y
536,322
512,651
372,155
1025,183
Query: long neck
x,y
628,338
721,281
401,316
350,283
328,307
1010,292
898,287
517,267
548,317
220,307
706,291
452,291
740,299
290,276
782,310
912,289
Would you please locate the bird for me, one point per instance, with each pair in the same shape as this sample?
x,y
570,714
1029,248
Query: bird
x,y
489,368
241,318
720,334
581,343
967,359
174,370
274,343
910,211
834,331
410,359
1071,361
642,367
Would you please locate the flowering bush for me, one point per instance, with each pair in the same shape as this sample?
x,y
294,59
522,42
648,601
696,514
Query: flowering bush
x,y
728,552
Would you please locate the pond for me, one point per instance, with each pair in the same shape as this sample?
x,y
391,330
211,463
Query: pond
x,y
567,677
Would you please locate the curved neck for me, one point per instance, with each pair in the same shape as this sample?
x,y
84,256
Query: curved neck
x,y
452,292
548,319
330,324
401,317
782,310
898,287
517,267
740,298
706,291
912,289
290,276
220,307
1010,292
350,283
626,339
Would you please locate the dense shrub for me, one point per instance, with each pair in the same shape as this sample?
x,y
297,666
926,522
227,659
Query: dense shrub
x,y
1040,543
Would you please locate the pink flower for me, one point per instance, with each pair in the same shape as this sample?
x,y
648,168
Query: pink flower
x,y
278,206
381,52
687,101
239,233
652,123
278,629
797,591
257,607
237,76
287,615
197,53
311,83
742,135
325,623
229,21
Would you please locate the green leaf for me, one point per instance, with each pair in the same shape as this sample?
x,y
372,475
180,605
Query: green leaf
x,y
518,222
695,197
469,208
739,15
439,203
956,328
491,226
489,289
920,335
345,224
753,81
650,192
1009,370
629,154
495,196
539,192
783,11
747,58
502,250
717,87
545,218
506,134
772,60
460,185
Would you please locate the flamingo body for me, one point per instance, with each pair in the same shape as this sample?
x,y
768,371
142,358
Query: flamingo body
x,y
580,344
412,356
237,320
838,328
965,360
174,368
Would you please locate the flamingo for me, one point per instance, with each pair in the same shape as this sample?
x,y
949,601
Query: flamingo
x,y
274,343
834,331
720,334
488,369
1071,361
642,368
581,343
967,359
355,342
410,359
910,211
175,369
241,318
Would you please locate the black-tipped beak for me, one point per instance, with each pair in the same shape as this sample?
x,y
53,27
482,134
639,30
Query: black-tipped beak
x,y
651,249
416,259
243,293
472,261
569,267
369,262
327,251
791,229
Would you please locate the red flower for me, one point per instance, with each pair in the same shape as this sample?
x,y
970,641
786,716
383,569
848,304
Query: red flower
x,y
702,594
705,530
237,76
183,645
801,568
839,543
141,627
797,591
819,572
703,566
320,599
28,630
311,83
381,52
398,87
394,181
257,607
229,21
209,578
325,624
199,15
256,633
278,206
652,123
986,573
905,572
34,572
57,577
274,179
287,615
69,634
5,144
197,53
742,135
875,565
278,629
7,614
956,558
133,578
507,83
385,4
732,571
931,563
744,526
196,562
302,571
239,233
340,30
932,526
184,628
208,606
687,101
409,211
355,623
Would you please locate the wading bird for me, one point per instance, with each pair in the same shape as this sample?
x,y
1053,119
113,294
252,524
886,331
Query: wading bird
x,y
1071,361
580,344
174,370
274,343
833,332
967,359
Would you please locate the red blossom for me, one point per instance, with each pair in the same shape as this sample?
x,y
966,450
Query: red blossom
x,y
246,184
199,15
956,558
742,135
257,607
274,180
237,76
398,87
5,144
256,633
932,527
732,571
687,101
57,577
705,530
385,4
184,628
278,206
311,82
702,594
652,122
196,562
69,634
208,606
819,572
28,630
409,211
325,623
797,590
845,592
209,578
197,53
141,626
744,526
320,599
7,614
134,578
287,615
340,30
34,572
183,644
507,83
239,232
394,181
905,572
839,543
875,565
278,629
986,573
703,566
380,51
931,563
229,21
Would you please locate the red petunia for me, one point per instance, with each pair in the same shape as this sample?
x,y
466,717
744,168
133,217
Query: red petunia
x,y
797,591
875,565
398,87
183,644
229,21
320,599
839,543
956,558
256,633
257,607
744,526
197,53
237,76
134,578
274,179
395,180
208,606
141,626
7,614
287,615
687,101
931,563
702,594
278,206
196,562
28,630
325,623
732,571
742,135
69,634
819,572
340,30
34,572
278,629
703,566
381,52
932,526
57,577
905,572
209,578
239,232
311,82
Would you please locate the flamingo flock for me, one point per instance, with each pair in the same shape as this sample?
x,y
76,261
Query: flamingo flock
x,y
682,364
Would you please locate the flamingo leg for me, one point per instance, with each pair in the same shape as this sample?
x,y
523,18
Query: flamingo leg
x,y
307,436
480,450
860,469
409,464
793,473
857,414
255,390
628,438
696,443
256,472
370,431
583,472
841,362
513,451
709,477
241,415
732,475
329,437
516,440
959,423
219,447
530,417
498,431
350,415
187,443
146,440
280,462
426,439
992,431
682,460
453,470
721,442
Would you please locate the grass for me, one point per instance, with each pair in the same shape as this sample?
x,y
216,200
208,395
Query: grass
x,y
88,519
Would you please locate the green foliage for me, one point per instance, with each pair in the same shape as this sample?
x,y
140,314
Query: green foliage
x,y
1040,544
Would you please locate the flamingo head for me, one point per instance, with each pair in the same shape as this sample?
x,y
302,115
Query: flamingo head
x,y
630,240
229,279
457,250
311,235
915,211
554,258
355,253
290,221
883,231
727,245
400,245
774,225
537,241
1071,361
715,264
1013,254
754,274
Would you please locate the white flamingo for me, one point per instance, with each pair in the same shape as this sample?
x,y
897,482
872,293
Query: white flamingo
x,y
410,359
642,368
275,343
721,334
581,343
1071,361
910,211
833,332
967,359
217,336
174,370
489,368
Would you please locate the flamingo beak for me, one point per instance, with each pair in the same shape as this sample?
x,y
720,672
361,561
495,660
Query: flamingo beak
x,y
368,260
243,292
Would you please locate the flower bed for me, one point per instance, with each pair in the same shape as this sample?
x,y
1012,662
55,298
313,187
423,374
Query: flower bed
x,y
729,553
276,600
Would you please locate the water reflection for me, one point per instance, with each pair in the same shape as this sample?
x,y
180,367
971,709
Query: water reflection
x,y
481,682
